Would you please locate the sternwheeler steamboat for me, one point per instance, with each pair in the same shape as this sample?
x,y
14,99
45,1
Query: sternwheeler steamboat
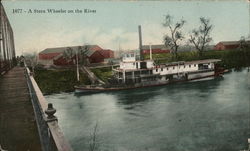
x,y
137,73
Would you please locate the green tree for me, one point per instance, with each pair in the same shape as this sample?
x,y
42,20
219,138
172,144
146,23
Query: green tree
x,y
200,37
68,54
244,47
243,44
173,39
82,50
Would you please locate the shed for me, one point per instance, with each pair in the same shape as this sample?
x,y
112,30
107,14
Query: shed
x,y
223,45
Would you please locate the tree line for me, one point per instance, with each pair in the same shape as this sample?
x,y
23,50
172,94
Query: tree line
x,y
199,37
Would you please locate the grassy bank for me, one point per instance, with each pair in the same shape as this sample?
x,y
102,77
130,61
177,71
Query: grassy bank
x,y
230,58
56,81
103,73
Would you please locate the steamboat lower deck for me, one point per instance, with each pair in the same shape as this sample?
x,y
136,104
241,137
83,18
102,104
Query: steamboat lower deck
x,y
148,83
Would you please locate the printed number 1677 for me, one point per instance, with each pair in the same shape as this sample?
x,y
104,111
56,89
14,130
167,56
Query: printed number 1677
x,y
17,11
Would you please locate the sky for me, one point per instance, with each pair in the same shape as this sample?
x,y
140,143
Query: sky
x,y
114,25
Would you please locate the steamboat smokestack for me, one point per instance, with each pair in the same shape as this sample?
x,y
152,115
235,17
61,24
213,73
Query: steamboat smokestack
x,y
140,43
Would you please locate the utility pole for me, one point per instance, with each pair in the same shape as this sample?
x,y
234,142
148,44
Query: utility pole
x,y
150,51
249,19
77,67
140,43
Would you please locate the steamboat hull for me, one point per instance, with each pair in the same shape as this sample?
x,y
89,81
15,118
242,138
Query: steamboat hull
x,y
195,77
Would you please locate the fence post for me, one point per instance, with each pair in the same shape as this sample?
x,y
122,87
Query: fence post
x,y
50,111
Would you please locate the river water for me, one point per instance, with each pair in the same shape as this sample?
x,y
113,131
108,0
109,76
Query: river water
x,y
194,116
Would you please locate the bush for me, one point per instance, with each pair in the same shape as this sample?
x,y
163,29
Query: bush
x,y
55,81
103,73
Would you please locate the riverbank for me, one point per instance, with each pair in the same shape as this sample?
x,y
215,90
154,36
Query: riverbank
x,y
64,80
103,73
56,81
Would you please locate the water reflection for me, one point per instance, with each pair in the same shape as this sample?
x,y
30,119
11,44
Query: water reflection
x,y
137,95
148,94
79,102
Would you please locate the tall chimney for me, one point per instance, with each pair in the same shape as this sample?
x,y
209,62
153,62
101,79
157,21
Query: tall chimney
x,y
150,51
140,43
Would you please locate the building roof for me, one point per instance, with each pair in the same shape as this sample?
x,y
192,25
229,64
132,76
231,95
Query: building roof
x,y
164,47
193,62
233,42
89,52
229,42
106,53
203,61
160,46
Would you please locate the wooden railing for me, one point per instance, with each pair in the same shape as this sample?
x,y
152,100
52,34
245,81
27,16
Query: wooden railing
x,y
51,136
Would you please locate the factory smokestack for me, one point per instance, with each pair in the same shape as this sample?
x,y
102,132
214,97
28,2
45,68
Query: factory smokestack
x,y
140,43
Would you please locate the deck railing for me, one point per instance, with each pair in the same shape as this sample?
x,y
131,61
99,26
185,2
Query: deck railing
x,y
51,136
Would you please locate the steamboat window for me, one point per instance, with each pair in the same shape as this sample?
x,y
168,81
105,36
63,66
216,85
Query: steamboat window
x,y
208,63
143,65
190,66
173,67
194,65
184,66
156,70
161,69
167,68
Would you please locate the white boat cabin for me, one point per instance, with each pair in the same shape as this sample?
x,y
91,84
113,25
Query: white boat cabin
x,y
184,67
136,70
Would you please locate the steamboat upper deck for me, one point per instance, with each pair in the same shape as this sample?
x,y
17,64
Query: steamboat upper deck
x,y
132,69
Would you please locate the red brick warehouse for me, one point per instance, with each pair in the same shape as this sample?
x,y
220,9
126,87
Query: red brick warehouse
x,y
66,55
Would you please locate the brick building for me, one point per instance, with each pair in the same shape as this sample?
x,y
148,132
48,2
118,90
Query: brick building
x,y
67,55
226,45
156,49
